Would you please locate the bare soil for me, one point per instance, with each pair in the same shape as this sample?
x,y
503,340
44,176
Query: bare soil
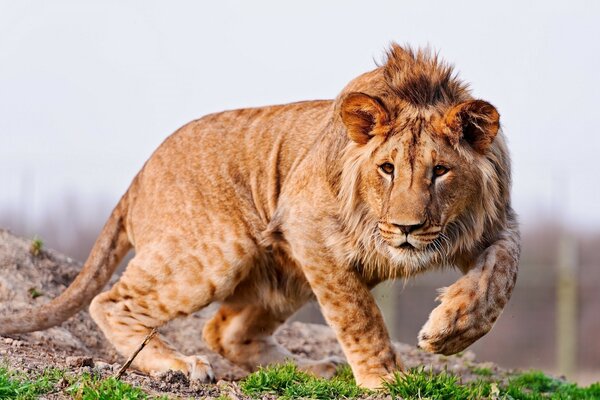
x,y
77,345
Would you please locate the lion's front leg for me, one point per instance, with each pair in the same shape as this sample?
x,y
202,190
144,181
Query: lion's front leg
x,y
471,305
351,311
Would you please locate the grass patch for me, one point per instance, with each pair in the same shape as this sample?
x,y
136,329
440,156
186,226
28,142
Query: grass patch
x,y
535,385
37,245
20,386
90,387
422,384
287,382
34,293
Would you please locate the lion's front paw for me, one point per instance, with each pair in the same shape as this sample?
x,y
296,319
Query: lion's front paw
x,y
457,322
374,381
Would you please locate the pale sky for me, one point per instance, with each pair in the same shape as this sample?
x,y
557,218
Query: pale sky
x,y
89,89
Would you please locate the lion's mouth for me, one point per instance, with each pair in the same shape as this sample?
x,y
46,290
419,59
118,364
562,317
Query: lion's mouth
x,y
412,244
407,246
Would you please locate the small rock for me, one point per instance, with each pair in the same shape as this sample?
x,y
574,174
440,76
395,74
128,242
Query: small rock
x,y
102,366
8,340
488,364
469,356
78,361
62,383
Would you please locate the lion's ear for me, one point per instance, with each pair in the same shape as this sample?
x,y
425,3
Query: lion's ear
x,y
475,121
364,117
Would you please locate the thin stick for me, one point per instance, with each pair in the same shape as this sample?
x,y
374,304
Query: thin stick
x,y
135,353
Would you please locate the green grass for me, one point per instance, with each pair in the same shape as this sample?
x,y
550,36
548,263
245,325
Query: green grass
x,y
22,386
535,385
34,293
422,384
89,387
16,385
287,382
37,245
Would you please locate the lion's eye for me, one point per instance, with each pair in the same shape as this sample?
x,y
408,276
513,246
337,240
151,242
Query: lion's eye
x,y
439,170
387,168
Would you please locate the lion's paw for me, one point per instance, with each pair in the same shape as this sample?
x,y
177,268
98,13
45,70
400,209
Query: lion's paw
x,y
199,369
374,381
457,322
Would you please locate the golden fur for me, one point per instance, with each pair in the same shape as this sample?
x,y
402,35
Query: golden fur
x,y
263,209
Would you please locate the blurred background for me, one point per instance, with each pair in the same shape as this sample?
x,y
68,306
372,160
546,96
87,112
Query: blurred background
x,y
89,89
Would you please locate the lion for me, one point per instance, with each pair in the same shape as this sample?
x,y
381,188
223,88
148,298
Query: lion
x,y
264,209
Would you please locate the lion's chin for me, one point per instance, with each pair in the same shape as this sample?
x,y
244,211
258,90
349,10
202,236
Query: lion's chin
x,y
411,258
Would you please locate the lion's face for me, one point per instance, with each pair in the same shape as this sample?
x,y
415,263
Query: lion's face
x,y
419,172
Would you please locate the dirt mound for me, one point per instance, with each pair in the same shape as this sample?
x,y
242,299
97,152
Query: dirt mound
x,y
29,278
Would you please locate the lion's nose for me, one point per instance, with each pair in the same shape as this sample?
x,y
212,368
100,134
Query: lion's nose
x,y
406,229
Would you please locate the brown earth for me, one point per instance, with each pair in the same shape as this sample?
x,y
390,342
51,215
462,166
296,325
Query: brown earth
x,y
27,280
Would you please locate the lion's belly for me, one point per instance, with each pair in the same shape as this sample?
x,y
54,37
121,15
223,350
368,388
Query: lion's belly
x,y
275,282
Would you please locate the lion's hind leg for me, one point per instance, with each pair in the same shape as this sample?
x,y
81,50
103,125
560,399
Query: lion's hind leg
x,y
244,335
135,305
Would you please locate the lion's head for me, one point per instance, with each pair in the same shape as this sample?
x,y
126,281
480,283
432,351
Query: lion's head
x,y
425,165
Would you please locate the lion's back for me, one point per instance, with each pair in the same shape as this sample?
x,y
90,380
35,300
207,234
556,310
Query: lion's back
x,y
234,162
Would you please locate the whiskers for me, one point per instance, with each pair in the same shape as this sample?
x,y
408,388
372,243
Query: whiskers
x,y
378,258
442,248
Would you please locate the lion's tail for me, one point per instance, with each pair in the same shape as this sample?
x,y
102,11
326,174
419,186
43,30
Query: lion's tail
x,y
110,247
